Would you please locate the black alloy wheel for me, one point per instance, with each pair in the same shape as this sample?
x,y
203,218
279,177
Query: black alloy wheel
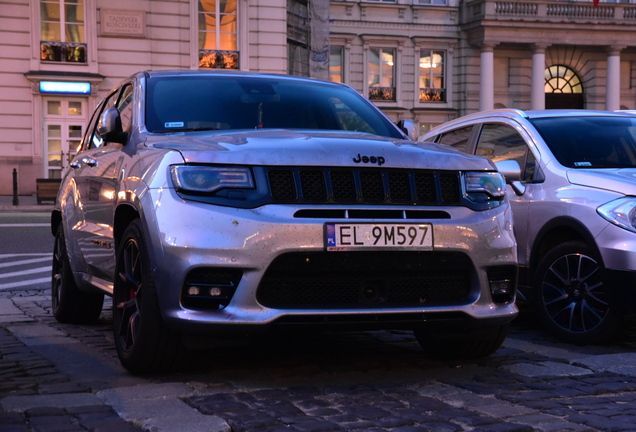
x,y
144,343
69,304
129,295
572,297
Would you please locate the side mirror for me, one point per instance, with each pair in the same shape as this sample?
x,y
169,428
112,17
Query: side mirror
x,y
409,128
511,170
109,127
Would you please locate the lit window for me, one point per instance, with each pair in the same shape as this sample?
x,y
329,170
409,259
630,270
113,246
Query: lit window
x,y
381,74
336,69
218,30
432,83
562,79
62,33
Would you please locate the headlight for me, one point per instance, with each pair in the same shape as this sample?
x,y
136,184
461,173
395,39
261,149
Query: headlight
x,y
484,186
204,178
621,212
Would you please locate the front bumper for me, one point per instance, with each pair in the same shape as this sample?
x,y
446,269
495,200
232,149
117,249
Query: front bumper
x,y
187,235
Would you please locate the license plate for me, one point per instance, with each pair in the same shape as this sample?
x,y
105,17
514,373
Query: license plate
x,y
340,237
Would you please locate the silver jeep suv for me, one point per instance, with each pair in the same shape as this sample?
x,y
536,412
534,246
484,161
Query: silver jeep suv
x,y
217,202
572,186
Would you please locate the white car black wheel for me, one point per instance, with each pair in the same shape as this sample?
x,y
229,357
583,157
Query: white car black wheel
x,y
573,299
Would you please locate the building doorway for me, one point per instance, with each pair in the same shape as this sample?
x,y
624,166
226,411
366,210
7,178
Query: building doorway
x,y
64,122
563,88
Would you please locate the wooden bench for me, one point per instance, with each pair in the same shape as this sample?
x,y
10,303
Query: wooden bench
x,y
47,189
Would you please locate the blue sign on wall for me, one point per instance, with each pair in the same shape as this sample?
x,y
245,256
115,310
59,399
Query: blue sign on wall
x,y
65,87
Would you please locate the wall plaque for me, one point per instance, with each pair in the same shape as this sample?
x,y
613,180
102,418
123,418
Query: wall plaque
x,y
119,22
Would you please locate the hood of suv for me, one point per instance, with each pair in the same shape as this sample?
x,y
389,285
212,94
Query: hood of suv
x,y
621,180
313,148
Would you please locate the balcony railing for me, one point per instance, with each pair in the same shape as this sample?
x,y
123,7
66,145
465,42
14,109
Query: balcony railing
x,y
432,95
546,10
217,59
382,93
68,52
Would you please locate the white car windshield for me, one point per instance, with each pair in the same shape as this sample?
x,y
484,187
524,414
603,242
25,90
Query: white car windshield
x,y
590,142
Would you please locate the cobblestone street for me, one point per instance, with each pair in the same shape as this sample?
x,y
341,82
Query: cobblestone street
x,y
67,378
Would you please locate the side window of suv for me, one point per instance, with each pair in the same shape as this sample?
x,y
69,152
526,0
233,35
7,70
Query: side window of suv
x,y
457,138
125,108
501,142
92,139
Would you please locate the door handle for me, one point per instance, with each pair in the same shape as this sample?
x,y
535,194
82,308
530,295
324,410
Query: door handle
x,y
89,161
75,165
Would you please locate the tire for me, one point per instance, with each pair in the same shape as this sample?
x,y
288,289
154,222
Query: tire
x,y
471,344
144,343
70,304
572,299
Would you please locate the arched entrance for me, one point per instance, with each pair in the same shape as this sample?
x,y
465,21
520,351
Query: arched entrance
x,y
563,88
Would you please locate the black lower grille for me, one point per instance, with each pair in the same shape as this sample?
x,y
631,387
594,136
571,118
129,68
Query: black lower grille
x,y
366,279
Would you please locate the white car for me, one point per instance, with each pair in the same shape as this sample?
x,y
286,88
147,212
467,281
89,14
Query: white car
x,y
572,187
209,202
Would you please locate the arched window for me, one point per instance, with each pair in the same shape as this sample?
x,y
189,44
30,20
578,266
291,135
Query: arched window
x,y
562,79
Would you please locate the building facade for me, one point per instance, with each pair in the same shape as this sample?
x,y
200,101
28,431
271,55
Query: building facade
x,y
423,60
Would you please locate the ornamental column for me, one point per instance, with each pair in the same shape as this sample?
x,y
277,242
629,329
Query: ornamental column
x,y
487,78
613,84
537,96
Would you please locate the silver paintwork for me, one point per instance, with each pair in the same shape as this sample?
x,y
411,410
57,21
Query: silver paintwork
x,y
185,234
565,193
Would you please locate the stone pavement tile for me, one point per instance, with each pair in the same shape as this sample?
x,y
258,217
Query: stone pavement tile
x,y
506,427
548,369
58,421
14,428
36,397
102,417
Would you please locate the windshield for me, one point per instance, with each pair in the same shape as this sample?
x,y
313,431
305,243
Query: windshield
x,y
590,142
186,103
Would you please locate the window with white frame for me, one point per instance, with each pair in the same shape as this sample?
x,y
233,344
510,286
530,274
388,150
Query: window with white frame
x,y
336,64
381,74
62,31
432,79
218,34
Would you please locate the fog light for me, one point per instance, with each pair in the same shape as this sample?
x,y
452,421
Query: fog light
x,y
194,291
501,290
216,291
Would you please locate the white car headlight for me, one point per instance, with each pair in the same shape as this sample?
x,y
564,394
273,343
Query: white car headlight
x,y
620,212
484,186
204,178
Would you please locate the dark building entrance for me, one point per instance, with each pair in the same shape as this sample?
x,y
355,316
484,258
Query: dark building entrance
x,y
564,101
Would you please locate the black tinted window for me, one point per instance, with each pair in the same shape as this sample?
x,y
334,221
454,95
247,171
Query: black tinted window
x,y
198,103
590,142
457,138
501,142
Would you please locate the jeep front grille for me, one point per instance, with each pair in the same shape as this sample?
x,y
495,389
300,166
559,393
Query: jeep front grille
x,y
364,186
